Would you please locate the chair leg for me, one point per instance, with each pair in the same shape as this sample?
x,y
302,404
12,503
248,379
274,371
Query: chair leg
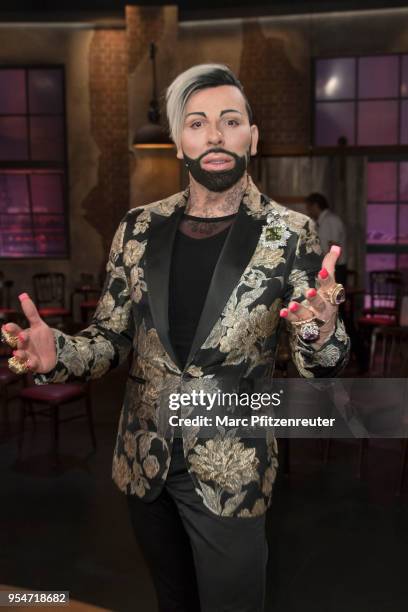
x,y
90,419
403,465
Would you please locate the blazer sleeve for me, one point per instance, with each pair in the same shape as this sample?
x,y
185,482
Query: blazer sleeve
x,y
331,358
107,341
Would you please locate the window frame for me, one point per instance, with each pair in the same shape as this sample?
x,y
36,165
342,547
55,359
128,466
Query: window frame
x,y
29,166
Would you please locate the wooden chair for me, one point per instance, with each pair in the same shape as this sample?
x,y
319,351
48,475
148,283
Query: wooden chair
x,y
49,294
52,398
386,289
6,312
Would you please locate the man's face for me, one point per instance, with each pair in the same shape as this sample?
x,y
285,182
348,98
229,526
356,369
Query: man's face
x,y
217,139
313,211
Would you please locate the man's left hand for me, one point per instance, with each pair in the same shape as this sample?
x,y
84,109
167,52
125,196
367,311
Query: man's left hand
x,y
318,304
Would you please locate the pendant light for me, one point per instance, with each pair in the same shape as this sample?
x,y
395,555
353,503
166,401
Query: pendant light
x,y
152,135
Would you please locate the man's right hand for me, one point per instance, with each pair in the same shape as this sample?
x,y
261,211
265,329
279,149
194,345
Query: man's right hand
x,y
35,343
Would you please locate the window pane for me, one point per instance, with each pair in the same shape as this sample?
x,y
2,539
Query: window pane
x,y
50,243
17,244
378,77
45,91
334,120
14,222
382,182
13,138
13,193
46,191
403,224
48,222
12,92
404,122
378,123
381,223
403,181
335,79
404,77
47,138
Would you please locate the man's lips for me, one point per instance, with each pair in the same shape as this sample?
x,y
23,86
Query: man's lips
x,y
217,161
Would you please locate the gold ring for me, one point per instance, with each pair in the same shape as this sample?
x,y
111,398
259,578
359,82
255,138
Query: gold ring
x,y
336,294
18,367
9,338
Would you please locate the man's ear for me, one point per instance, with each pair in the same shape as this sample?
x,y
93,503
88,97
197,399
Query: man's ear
x,y
254,139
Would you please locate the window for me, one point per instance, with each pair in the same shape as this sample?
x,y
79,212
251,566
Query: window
x,y
362,99
33,220
387,215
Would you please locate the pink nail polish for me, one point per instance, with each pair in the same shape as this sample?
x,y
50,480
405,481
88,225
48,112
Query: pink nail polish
x,y
311,293
20,337
335,249
323,274
14,353
23,296
284,312
294,307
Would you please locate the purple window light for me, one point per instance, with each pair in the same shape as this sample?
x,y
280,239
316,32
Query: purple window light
x,y
378,77
13,99
334,120
378,123
382,182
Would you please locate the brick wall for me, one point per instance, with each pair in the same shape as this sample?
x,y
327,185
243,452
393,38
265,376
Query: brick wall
x,y
109,200
278,91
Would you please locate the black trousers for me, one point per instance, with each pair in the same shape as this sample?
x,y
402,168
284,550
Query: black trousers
x,y
199,562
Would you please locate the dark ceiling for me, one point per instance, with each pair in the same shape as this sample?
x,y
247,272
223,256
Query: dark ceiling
x,y
188,9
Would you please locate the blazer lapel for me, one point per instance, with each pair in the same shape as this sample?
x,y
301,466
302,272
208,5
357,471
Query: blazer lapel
x,y
237,251
159,250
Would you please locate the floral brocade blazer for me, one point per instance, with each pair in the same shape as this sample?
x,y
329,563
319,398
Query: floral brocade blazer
x,y
270,255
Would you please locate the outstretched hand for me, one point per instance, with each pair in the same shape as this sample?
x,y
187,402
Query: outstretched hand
x,y
36,343
317,302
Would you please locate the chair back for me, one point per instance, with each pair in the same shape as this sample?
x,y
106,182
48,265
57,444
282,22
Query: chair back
x,y
386,287
49,289
5,290
389,352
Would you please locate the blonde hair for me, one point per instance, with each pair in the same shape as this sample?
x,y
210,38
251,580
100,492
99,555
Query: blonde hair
x,y
201,76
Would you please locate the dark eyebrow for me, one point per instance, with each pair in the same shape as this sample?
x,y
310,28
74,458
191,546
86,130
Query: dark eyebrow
x,y
228,110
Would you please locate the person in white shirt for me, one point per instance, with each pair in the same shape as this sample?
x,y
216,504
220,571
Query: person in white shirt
x,y
331,230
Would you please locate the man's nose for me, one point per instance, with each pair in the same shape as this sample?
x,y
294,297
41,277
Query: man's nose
x,y
215,136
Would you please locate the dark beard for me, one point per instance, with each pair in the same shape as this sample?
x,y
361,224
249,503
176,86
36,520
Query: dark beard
x,y
217,181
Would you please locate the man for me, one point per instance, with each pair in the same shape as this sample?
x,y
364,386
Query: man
x,y
197,284
331,230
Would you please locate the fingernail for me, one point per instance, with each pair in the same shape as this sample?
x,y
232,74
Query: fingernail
x,y
311,293
23,296
323,273
335,249
20,337
284,312
293,307
14,353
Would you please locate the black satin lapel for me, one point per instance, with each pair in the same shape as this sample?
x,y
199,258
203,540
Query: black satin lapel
x,y
237,251
158,260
